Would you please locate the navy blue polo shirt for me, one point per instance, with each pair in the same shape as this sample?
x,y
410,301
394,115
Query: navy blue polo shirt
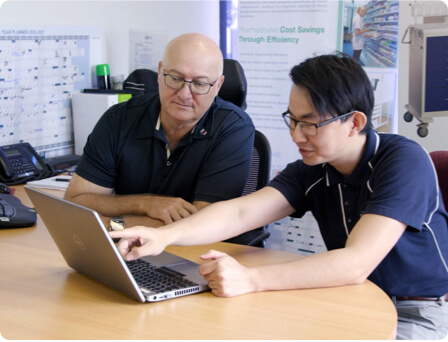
x,y
394,178
126,152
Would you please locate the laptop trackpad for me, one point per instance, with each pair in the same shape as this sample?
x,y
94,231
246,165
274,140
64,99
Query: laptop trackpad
x,y
183,268
187,268
171,261
190,270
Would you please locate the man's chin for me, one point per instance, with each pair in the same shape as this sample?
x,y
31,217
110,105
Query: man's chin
x,y
310,160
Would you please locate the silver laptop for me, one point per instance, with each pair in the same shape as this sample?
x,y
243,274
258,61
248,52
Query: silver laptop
x,y
87,247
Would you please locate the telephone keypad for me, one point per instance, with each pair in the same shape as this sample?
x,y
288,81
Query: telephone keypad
x,y
22,167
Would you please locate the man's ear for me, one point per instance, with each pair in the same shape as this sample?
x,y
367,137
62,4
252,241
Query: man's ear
x,y
219,84
359,121
159,71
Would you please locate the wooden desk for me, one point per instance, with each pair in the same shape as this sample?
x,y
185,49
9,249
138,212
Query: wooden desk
x,y
41,298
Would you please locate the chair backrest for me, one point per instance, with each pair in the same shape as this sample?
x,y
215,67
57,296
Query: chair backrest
x,y
259,177
234,88
260,167
143,81
440,160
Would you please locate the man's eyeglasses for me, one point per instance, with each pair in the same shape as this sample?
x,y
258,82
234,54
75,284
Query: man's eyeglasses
x,y
196,87
309,128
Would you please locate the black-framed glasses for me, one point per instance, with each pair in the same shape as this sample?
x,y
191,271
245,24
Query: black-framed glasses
x,y
196,87
309,128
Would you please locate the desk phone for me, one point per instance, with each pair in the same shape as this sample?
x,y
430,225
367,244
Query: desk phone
x,y
20,163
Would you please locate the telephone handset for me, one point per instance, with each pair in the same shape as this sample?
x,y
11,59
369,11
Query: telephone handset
x,y
20,163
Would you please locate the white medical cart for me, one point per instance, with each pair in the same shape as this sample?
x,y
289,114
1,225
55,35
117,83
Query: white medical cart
x,y
428,74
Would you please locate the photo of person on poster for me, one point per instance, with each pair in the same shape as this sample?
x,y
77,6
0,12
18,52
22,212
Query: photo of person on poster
x,y
358,32
371,32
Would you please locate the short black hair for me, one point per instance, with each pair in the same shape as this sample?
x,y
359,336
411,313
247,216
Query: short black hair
x,y
337,84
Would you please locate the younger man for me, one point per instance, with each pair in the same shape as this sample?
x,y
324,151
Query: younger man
x,y
375,197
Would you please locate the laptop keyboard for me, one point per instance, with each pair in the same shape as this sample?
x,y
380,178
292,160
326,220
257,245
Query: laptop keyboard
x,y
157,279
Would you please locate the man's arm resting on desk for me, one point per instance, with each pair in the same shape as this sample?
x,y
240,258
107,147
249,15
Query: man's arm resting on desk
x,y
101,199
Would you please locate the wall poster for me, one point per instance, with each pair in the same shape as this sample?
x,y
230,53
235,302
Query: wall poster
x,y
273,36
146,49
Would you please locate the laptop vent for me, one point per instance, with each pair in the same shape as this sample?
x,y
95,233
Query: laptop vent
x,y
186,291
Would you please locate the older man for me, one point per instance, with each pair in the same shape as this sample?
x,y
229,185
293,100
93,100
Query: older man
x,y
159,158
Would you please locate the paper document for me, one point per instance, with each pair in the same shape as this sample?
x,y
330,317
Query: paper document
x,y
57,182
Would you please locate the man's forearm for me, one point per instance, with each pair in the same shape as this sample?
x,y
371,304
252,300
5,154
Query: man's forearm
x,y
112,205
328,269
226,219
135,208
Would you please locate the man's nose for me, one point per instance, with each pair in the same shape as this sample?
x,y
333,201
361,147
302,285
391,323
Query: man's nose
x,y
185,91
297,135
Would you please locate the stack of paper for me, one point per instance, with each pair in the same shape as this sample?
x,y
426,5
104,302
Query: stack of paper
x,y
57,182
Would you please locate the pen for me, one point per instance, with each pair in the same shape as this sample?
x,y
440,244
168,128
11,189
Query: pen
x,y
62,180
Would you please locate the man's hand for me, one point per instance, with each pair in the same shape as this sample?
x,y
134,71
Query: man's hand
x,y
225,276
139,241
103,201
169,209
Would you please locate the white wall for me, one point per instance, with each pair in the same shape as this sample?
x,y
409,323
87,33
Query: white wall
x,y
116,18
437,138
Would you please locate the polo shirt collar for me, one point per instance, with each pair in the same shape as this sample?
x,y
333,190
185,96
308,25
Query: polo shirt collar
x,y
151,124
148,127
356,178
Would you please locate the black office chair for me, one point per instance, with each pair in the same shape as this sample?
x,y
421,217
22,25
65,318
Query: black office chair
x,y
142,81
258,177
234,90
